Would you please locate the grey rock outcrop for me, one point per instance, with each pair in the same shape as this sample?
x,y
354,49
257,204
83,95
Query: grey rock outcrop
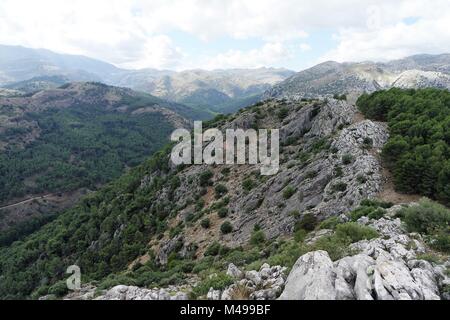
x,y
265,284
311,278
386,268
135,293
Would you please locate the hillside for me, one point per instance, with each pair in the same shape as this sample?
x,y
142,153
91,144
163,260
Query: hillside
x,y
330,78
223,91
56,143
174,227
217,91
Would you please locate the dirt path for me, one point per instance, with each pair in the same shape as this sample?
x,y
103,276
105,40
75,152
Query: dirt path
x,y
390,195
26,201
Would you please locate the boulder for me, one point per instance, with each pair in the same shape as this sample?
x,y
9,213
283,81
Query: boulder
x,y
311,278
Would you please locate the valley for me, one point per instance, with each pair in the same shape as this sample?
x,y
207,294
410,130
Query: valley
x,y
86,179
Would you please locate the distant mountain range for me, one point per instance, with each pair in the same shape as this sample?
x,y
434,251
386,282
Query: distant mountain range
x,y
31,70
331,78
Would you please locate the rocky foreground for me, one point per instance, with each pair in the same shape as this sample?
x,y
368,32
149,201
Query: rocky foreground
x,y
390,267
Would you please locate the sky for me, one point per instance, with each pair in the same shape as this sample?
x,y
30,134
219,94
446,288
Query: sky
x,y
221,34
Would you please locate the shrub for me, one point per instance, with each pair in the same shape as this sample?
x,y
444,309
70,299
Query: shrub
x,y
295,214
248,184
361,179
376,203
213,249
441,241
336,247
308,222
218,282
431,219
330,223
258,237
223,212
338,172
59,289
339,187
283,113
288,192
205,223
311,174
355,232
205,178
220,190
300,235
428,217
347,159
226,227
430,257
319,145
368,143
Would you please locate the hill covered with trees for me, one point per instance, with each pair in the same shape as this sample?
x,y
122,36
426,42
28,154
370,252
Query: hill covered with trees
x,y
418,151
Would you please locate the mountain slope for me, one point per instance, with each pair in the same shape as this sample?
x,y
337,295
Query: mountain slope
x,y
330,78
213,89
161,225
217,91
156,209
57,142
20,63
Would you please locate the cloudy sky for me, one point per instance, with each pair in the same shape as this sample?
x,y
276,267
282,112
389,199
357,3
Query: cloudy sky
x,y
211,34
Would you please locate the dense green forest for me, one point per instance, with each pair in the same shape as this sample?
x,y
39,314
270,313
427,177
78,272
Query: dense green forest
x,y
79,147
87,234
418,151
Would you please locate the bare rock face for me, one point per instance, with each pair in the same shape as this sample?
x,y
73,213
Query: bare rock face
x,y
386,268
135,293
311,278
265,284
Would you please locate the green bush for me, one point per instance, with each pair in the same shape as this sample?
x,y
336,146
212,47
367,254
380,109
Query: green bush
x,y
428,217
59,289
300,235
213,249
336,247
307,222
226,227
223,212
220,190
248,184
205,223
218,282
355,232
288,192
432,219
347,159
258,237
205,178
339,187
330,223
283,113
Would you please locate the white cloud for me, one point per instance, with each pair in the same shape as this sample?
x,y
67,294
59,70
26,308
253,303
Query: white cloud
x,y
387,36
269,54
137,32
305,47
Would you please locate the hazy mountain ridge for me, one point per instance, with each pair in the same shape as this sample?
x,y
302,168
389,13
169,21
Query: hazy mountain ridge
x,y
330,78
33,69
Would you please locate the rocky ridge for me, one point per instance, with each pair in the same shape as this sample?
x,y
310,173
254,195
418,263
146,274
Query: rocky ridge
x,y
328,161
386,268
329,78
